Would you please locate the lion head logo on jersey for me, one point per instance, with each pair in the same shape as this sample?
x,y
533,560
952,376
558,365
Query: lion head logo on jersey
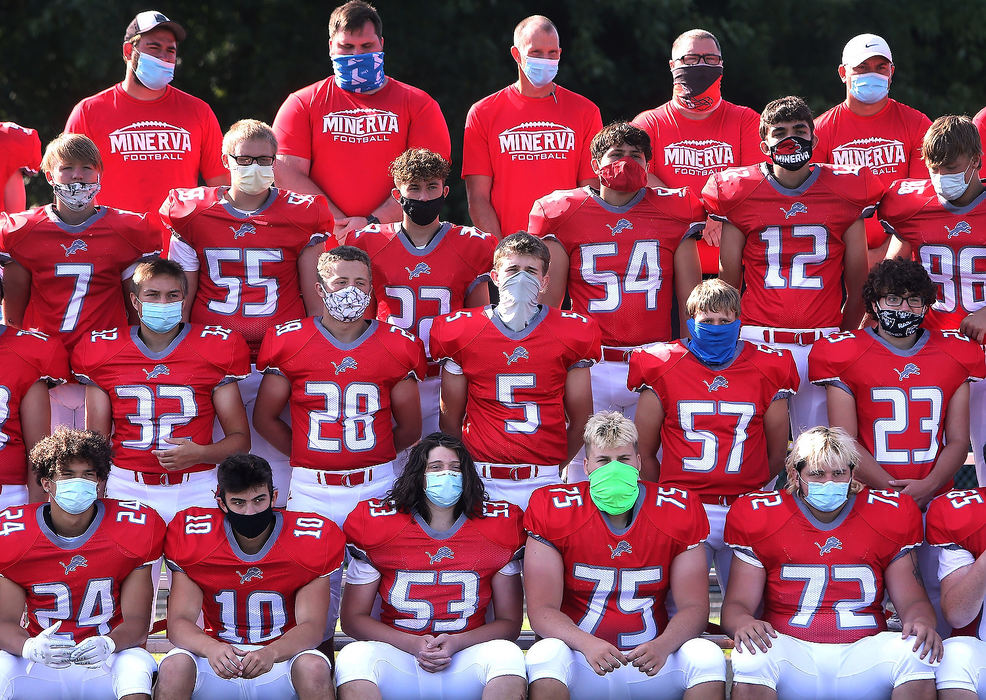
x,y
347,363
961,227
622,547
243,230
519,353
442,553
420,269
796,208
74,563
157,371
251,573
621,225
909,369
831,544
74,247
718,382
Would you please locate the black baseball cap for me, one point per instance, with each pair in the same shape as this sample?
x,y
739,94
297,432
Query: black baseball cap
x,y
151,19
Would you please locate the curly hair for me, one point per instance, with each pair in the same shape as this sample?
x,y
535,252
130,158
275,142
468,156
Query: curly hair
x,y
408,492
900,277
67,445
419,165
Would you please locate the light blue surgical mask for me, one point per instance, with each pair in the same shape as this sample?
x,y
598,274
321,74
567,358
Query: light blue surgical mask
x,y
540,71
713,344
75,495
443,488
869,88
950,186
160,318
153,73
360,72
828,496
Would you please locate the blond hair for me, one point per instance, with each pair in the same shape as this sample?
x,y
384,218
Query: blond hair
x,y
152,267
248,130
608,429
949,137
818,448
522,243
67,148
713,296
338,254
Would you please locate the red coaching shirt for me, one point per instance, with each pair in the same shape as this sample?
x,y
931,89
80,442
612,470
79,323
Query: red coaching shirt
x,y
712,434
435,582
149,146
352,138
340,392
158,395
824,580
515,410
621,259
20,149
530,147
949,241
250,598
616,580
77,580
77,272
793,256
247,263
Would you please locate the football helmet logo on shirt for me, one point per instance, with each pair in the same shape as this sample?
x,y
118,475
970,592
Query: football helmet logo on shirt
x,y
251,573
831,544
961,227
622,547
718,382
796,208
909,369
519,352
442,553
74,247
420,269
157,371
74,563
347,363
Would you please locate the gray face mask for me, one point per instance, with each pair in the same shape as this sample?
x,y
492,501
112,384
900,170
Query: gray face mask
x,y
76,195
518,300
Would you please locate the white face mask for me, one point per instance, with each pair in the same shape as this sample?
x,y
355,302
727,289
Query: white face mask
x,y
518,300
251,179
76,195
951,186
347,304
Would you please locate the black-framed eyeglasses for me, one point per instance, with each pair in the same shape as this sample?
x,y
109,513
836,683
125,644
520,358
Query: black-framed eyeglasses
x,y
693,59
259,160
894,301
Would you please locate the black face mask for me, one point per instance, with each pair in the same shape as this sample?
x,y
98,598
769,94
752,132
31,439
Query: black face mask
x,y
694,80
898,322
250,526
791,153
422,212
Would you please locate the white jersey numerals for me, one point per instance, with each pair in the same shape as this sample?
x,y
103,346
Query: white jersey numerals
x,y
709,441
252,260
797,278
625,584
266,615
94,610
816,578
82,272
642,276
354,406
460,607
155,426
961,283
901,402
506,385
409,318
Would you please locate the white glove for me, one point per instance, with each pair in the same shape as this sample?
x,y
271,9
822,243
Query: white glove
x,y
48,649
92,652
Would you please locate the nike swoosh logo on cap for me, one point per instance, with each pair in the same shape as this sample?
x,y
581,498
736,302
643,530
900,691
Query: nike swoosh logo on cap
x,y
870,45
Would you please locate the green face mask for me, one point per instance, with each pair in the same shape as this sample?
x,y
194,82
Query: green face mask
x,y
613,487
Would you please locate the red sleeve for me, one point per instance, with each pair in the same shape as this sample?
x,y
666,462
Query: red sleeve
x,y
647,121
293,129
822,153
237,362
22,148
175,548
829,357
142,233
750,153
155,535
441,341
475,147
743,523
971,356
538,223
52,359
916,167
903,199
593,125
955,516
327,555
429,130
412,352
537,520
503,523
893,516
210,158
782,370
371,524
267,358
711,196
678,514
324,221
645,366
585,338
174,213
76,123
691,211
980,121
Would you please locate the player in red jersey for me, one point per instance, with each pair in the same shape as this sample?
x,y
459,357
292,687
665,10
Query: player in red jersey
x,y
439,555
20,154
80,565
697,133
424,267
528,139
956,526
980,121
622,252
154,137
66,265
942,223
871,129
338,136
249,252
157,389
601,557
717,406
819,557
260,577
515,376
793,235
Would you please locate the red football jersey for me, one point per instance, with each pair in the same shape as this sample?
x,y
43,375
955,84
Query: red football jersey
x,y
949,241
980,121
247,263
621,259
77,272
901,395
957,520
20,149
29,357
793,256
515,412
888,143
415,285
712,435
831,590
616,580
158,395
434,582
77,581
249,598
341,391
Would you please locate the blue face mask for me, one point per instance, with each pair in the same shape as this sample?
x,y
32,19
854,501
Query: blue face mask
x,y
360,72
153,73
540,71
713,344
443,488
869,87
160,318
828,496
75,495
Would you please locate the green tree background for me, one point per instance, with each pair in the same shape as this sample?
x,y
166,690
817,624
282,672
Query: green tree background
x,y
245,57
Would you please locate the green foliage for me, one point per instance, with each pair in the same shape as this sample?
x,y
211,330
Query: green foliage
x,y
244,58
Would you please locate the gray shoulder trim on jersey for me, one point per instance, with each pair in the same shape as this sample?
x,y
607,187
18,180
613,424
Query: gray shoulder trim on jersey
x,y
542,540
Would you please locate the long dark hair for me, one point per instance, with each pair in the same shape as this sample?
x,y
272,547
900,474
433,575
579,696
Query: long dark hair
x,y
408,493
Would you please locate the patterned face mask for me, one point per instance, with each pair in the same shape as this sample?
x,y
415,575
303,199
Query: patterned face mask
x,y
347,304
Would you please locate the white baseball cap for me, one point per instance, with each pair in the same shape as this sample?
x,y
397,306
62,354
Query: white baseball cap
x,y
864,46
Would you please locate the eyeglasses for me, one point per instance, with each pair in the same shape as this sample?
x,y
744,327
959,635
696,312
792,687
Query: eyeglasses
x,y
692,59
894,301
259,160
